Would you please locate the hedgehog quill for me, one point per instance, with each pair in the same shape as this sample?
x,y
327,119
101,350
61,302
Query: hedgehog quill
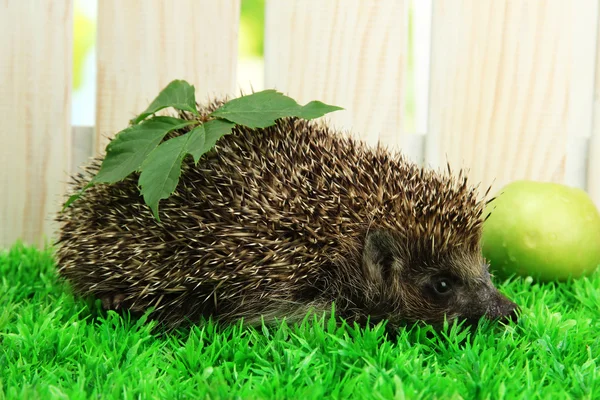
x,y
277,222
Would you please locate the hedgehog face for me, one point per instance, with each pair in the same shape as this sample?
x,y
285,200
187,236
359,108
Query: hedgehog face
x,y
410,284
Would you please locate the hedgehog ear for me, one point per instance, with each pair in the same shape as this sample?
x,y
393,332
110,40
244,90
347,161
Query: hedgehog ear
x,y
378,255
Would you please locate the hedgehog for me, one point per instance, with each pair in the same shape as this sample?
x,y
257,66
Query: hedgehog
x,y
279,222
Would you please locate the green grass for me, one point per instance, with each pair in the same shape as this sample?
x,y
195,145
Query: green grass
x,y
55,346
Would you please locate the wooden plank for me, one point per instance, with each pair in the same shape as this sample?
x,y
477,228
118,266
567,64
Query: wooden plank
x,y
593,175
584,27
347,53
510,86
35,102
144,44
421,48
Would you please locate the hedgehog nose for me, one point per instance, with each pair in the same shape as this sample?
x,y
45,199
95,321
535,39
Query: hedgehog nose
x,y
511,314
503,310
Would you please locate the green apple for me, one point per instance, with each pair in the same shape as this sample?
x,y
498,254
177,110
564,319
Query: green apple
x,y
544,230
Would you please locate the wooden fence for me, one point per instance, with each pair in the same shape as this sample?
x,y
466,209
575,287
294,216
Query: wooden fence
x,y
512,90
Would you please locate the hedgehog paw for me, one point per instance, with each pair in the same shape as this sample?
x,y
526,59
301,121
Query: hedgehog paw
x,y
112,301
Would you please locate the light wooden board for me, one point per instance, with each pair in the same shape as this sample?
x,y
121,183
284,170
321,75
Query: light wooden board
x,y
421,48
593,175
145,44
345,52
511,86
35,87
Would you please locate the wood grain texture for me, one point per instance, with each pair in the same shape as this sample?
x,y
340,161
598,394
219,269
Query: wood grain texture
x,y
510,85
144,44
593,175
422,61
347,53
35,103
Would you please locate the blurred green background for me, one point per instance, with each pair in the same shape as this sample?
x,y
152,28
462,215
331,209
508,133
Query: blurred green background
x,y
252,22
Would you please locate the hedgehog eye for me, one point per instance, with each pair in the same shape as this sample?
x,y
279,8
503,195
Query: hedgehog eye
x,y
442,287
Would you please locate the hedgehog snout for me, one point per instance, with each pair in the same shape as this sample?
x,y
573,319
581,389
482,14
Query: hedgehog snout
x,y
502,309
486,301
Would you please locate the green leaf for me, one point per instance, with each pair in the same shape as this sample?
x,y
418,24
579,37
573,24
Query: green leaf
x,y
161,170
178,94
196,142
71,200
212,131
261,109
315,109
76,196
126,153
215,130
139,146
